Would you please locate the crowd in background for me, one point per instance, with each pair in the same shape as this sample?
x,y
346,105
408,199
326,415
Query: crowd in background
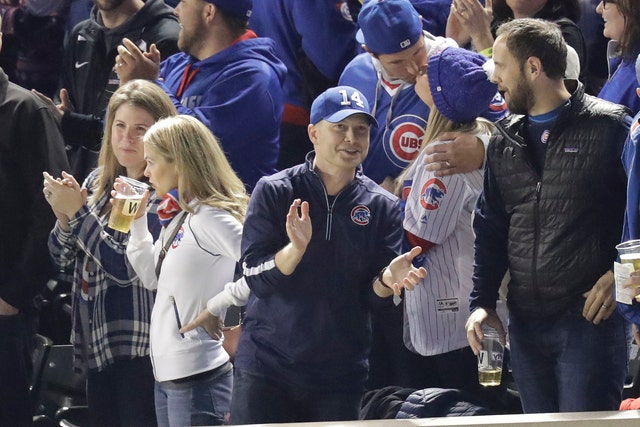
x,y
374,182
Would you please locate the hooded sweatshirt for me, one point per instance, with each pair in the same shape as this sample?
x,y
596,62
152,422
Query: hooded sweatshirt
x,y
315,40
88,72
237,93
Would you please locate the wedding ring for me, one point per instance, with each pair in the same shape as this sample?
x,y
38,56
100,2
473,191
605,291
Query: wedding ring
x,y
462,10
47,194
605,306
446,162
119,64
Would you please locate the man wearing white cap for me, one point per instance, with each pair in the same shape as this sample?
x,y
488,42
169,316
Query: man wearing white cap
x,y
319,249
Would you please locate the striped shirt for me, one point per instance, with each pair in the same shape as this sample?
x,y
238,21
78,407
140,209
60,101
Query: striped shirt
x,y
438,209
119,306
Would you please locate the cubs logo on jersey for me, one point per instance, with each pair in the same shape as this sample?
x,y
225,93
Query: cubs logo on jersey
x,y
432,193
402,139
361,215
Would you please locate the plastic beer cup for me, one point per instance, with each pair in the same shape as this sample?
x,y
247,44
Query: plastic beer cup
x,y
126,203
629,253
490,358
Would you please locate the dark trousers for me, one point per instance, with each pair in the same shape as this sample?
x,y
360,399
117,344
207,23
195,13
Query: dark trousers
x,y
122,394
257,399
390,362
16,341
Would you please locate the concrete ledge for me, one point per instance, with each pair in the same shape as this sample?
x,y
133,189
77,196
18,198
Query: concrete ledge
x,y
577,419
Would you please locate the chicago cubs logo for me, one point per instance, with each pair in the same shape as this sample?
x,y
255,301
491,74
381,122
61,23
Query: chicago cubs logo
x,y
545,136
361,215
432,193
403,138
178,238
498,103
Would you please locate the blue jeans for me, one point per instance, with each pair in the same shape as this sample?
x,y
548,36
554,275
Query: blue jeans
x,y
257,399
567,364
200,400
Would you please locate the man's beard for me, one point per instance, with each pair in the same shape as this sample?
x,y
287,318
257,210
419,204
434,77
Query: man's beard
x,y
522,99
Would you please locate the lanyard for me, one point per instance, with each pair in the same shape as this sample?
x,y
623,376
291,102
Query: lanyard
x,y
187,76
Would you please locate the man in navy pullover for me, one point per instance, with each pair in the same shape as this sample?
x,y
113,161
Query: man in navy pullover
x,y
225,76
319,249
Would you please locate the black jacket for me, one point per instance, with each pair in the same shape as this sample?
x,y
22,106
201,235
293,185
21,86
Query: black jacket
x,y
30,142
88,72
311,329
555,231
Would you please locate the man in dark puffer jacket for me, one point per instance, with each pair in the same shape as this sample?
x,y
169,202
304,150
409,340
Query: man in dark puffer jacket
x,y
551,212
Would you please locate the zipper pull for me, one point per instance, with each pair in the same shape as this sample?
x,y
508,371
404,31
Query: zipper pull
x,y
175,310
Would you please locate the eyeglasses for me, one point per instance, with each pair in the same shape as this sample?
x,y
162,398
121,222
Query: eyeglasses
x,y
604,2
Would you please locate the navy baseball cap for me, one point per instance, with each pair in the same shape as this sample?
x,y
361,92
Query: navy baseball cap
x,y
388,26
338,103
239,8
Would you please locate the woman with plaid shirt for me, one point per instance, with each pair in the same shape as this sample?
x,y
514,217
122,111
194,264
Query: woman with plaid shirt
x,y
111,308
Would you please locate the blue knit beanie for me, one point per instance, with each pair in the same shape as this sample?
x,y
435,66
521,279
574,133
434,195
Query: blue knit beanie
x,y
460,86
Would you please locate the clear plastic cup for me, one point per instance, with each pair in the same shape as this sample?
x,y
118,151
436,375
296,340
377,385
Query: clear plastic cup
x,y
126,203
490,358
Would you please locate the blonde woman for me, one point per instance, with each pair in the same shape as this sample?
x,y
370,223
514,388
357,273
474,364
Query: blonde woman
x,y
111,309
202,211
457,90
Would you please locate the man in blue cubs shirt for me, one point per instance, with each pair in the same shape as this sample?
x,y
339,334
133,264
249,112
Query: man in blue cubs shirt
x,y
319,250
225,76
391,32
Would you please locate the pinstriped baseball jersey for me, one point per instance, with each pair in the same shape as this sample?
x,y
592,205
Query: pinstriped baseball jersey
x,y
438,209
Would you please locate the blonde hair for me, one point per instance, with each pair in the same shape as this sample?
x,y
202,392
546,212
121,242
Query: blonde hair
x,y
204,173
436,126
138,93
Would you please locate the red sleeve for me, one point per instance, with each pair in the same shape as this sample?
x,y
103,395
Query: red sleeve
x,y
417,241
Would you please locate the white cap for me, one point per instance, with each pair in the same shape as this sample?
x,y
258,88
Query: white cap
x,y
573,65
